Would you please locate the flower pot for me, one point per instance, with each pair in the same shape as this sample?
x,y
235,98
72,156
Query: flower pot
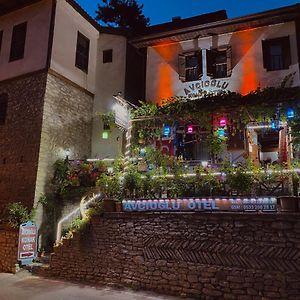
x,y
288,203
109,205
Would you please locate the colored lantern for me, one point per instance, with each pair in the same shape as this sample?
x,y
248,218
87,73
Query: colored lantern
x,y
290,113
221,132
167,130
142,151
190,129
274,124
223,122
105,135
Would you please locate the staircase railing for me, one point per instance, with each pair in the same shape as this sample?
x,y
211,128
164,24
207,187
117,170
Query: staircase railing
x,y
79,211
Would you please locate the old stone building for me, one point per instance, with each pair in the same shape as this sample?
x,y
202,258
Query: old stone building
x,y
58,68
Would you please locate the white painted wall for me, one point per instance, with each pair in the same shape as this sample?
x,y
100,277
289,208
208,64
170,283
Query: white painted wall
x,y
248,71
110,79
67,24
38,17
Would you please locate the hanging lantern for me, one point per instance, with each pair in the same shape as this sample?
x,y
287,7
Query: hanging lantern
x,y
290,113
167,130
190,129
223,122
142,152
105,135
221,132
274,124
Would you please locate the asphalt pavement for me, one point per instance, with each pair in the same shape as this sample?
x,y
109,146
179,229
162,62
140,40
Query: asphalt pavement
x,y
24,286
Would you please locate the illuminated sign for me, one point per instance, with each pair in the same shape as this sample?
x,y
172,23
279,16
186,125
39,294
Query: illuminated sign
x,y
268,204
204,87
27,249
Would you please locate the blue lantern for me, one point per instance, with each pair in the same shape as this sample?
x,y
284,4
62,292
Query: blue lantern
x,y
221,132
274,124
167,130
290,113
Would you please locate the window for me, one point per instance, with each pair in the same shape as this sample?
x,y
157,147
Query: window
x,y
219,62
190,66
107,56
18,42
3,108
1,36
276,53
82,53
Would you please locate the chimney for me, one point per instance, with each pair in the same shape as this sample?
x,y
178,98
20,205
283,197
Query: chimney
x,y
176,19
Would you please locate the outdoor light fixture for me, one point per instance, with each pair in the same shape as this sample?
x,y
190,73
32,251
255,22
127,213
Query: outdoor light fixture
x,y
142,151
105,135
221,132
167,130
223,122
190,129
290,113
204,163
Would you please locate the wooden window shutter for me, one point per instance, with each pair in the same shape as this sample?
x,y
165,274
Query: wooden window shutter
x,y
200,66
181,67
286,47
266,54
229,61
210,62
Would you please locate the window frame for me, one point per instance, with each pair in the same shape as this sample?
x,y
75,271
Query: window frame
x,y
1,39
18,42
183,69
286,57
212,54
3,108
82,56
107,56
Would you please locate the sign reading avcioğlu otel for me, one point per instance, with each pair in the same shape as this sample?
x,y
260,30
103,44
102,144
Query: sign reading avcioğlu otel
x,y
27,250
203,87
202,204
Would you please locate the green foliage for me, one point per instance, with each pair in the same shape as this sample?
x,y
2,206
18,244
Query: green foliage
x,y
110,186
240,181
17,214
132,183
125,14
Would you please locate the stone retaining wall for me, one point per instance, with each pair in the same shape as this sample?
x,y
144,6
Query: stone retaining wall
x,y
8,250
206,256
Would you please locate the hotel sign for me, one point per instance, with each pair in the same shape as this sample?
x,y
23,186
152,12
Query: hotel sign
x,y
27,249
201,88
237,204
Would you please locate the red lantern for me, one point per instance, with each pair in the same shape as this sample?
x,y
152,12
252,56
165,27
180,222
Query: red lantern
x,y
190,129
223,122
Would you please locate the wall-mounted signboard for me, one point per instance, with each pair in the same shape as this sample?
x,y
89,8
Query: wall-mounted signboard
x,y
27,250
238,204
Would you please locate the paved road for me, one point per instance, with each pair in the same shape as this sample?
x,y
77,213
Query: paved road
x,y
23,286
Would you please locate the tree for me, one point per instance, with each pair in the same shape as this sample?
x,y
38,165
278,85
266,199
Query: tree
x,y
125,14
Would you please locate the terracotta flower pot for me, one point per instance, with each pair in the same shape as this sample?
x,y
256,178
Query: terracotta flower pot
x,y
289,203
118,207
109,205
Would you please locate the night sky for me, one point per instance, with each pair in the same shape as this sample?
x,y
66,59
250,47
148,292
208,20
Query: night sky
x,y
161,11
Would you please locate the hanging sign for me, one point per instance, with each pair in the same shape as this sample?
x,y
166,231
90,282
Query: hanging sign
x,y
121,115
27,249
238,204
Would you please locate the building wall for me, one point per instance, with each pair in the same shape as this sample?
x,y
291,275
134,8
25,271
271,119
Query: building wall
x,y
38,17
110,80
8,249
67,24
248,72
20,139
66,128
206,256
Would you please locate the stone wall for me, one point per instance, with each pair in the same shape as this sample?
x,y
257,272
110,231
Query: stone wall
x,y
66,129
8,250
206,256
20,139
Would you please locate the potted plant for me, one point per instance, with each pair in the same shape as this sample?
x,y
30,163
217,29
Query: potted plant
x,y
110,186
